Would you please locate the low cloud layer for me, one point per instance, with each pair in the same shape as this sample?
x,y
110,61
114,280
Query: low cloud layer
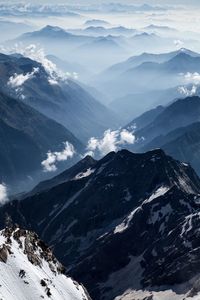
x,y
193,78
3,194
49,164
111,141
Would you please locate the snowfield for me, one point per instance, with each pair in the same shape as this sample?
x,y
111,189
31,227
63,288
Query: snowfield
x,y
20,279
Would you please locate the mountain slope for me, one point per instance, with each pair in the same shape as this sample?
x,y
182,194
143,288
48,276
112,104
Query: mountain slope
x,y
146,118
25,134
80,168
180,113
135,104
60,99
182,143
29,270
135,208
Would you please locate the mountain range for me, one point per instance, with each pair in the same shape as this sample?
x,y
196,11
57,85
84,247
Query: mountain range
x,y
157,72
74,44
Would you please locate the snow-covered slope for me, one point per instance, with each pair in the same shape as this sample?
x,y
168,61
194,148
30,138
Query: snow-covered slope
x,y
29,270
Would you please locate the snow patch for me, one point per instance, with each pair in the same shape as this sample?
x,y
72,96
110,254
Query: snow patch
x,y
158,193
87,173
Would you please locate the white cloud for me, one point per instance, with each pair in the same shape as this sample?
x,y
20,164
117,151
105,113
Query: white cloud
x,y
192,77
111,141
178,43
127,137
3,194
183,90
49,164
17,80
190,81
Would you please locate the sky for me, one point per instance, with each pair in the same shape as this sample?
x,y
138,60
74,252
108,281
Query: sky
x,y
155,2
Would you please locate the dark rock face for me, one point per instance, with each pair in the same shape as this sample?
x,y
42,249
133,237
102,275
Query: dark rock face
x,y
132,222
4,253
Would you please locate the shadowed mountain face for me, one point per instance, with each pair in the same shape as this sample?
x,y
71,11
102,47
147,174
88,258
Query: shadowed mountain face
x,y
182,143
146,118
64,101
174,128
180,113
135,208
26,137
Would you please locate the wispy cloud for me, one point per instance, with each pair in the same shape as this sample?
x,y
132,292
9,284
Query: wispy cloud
x,y
111,141
3,194
178,43
49,164
17,80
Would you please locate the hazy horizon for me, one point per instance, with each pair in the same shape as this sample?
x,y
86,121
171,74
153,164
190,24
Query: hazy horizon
x,y
90,2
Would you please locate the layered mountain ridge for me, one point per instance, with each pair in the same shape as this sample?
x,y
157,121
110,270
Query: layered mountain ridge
x,y
61,100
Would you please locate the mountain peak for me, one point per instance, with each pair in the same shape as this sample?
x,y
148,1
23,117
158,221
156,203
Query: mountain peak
x,y
52,28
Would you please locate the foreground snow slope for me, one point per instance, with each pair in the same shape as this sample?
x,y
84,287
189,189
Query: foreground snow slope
x,y
29,271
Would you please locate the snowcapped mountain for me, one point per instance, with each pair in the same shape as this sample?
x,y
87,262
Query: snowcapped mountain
x,y
29,270
140,209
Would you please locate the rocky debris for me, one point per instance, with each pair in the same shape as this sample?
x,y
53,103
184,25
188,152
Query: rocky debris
x,y
22,274
195,289
4,253
33,247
